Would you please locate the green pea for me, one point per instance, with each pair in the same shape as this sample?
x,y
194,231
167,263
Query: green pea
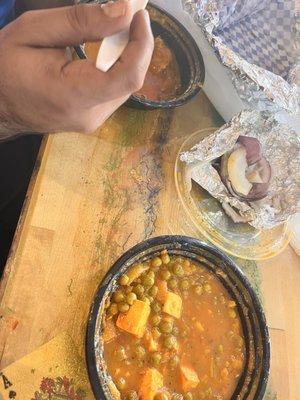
x,y
178,270
188,396
166,326
123,307
184,284
156,262
128,289
155,320
124,279
140,352
155,358
132,395
118,296
147,281
174,362
175,331
173,283
156,307
165,258
170,342
138,290
177,396
198,290
162,396
121,383
130,298
165,275
113,309
151,274
155,333
153,291
121,353
144,298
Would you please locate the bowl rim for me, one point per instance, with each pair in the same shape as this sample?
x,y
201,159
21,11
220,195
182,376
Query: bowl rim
x,y
139,102
184,241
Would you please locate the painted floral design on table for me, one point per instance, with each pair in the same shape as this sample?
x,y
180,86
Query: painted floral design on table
x,y
59,389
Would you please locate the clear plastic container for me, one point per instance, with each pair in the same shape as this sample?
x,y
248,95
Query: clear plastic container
x,y
209,218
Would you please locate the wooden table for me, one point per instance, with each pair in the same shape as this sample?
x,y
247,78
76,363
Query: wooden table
x,y
92,198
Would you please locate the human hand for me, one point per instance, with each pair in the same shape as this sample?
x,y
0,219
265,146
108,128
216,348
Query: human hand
x,y
43,90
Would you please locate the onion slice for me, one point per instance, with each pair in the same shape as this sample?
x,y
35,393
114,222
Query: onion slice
x,y
253,148
245,171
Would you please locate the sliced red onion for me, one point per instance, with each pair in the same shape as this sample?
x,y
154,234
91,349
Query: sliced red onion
x,y
253,148
258,168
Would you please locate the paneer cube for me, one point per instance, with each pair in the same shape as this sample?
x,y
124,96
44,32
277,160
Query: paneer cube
x,y
135,320
152,382
189,378
110,331
173,305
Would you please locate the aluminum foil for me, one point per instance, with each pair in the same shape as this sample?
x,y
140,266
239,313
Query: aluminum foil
x,y
281,147
257,41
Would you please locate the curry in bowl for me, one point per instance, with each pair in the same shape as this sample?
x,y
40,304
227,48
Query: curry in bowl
x,y
177,70
176,319
162,81
171,331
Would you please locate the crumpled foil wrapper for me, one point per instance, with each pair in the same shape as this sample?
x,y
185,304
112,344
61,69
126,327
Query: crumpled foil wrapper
x,y
281,147
259,88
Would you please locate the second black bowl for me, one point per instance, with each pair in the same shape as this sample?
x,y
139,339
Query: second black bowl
x,y
187,53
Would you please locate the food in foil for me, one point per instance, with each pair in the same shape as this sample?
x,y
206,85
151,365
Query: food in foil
x,y
245,171
252,166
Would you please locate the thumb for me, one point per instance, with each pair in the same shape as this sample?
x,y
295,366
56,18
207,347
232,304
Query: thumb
x,y
69,26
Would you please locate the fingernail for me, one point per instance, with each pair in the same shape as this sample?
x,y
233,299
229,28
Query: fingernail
x,y
114,9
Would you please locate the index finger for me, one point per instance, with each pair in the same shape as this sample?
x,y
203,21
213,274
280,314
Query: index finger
x,y
126,76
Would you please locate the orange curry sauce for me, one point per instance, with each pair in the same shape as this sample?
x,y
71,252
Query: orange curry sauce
x,y
172,332
162,81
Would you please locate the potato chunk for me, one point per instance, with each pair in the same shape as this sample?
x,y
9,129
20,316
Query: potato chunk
x,y
173,305
135,320
189,378
152,382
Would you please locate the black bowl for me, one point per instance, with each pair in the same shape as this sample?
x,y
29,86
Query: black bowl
x,y
187,53
253,381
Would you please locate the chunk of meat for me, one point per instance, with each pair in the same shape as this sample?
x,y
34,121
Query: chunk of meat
x,y
189,378
173,305
152,382
162,56
135,320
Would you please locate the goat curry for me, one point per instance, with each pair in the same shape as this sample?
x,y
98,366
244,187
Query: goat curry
x,y
172,332
162,81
